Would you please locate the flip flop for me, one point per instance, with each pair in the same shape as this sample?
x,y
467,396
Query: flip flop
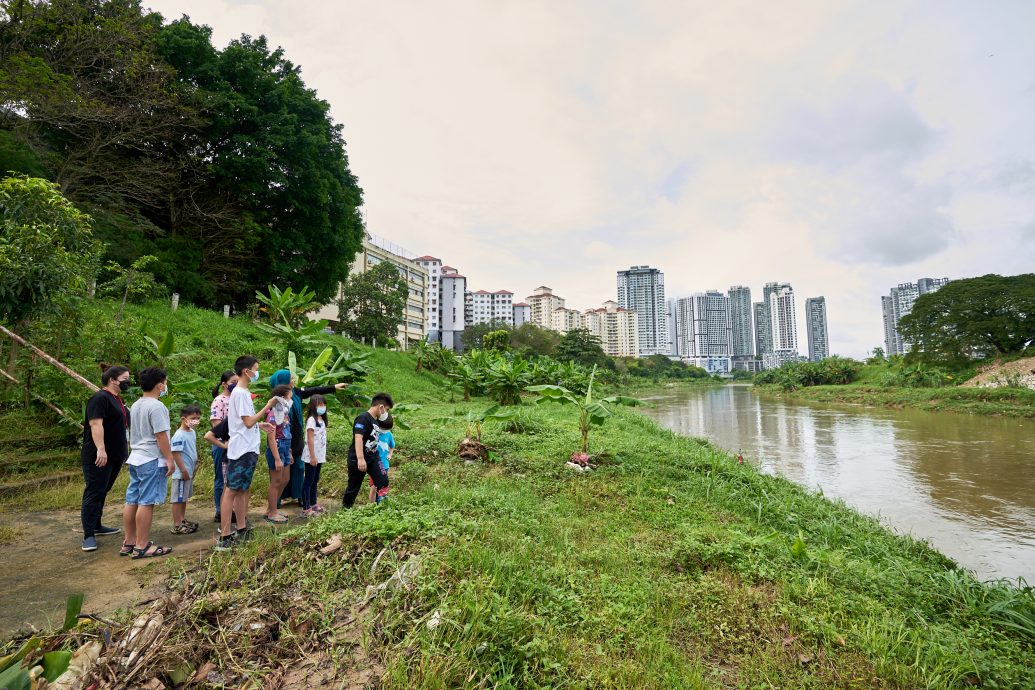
x,y
274,521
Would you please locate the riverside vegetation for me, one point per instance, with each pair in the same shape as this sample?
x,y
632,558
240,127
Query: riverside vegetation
x,y
670,566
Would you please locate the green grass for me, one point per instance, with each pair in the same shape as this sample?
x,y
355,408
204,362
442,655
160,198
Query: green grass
x,y
671,566
1005,402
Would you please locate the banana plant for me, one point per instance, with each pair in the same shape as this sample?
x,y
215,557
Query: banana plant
x,y
475,419
346,367
505,380
591,412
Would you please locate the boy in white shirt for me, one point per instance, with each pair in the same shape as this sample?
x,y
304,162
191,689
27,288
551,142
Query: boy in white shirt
x,y
242,451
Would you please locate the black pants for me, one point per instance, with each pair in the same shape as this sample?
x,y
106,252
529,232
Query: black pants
x,y
99,481
376,473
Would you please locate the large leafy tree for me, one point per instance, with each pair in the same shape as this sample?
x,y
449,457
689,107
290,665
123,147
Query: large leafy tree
x,y
990,315
223,164
373,303
581,346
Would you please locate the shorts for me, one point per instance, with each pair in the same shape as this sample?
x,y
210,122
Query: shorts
x,y
284,448
239,471
146,484
182,490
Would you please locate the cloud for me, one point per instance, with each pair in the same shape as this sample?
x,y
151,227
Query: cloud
x,y
844,147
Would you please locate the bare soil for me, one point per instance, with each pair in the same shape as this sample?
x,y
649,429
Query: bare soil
x,y
996,375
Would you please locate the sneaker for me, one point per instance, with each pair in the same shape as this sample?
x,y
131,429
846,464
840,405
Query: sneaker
x,y
217,519
225,543
89,544
103,531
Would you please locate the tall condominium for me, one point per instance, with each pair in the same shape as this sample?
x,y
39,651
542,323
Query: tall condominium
x,y
563,320
763,329
452,302
816,325
542,305
414,326
899,303
704,330
482,306
615,327
642,289
743,340
783,323
522,313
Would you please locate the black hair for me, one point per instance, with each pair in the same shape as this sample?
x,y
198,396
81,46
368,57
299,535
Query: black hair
x,y
382,399
226,376
189,410
315,402
244,362
112,373
387,424
151,377
281,390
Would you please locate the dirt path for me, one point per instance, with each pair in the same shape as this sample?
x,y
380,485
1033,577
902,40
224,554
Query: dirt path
x,y
44,565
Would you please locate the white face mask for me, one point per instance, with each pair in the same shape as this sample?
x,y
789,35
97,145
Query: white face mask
x,y
383,417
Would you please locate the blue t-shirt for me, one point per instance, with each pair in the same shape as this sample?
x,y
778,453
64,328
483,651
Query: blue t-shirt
x,y
385,443
185,443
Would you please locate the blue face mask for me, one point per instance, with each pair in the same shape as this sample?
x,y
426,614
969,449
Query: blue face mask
x,y
255,375
165,390
321,410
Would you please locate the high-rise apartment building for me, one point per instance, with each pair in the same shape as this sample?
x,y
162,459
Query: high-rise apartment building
x,y
615,327
642,289
816,327
482,306
542,304
704,330
522,313
414,326
783,324
763,329
899,303
452,300
743,340
563,320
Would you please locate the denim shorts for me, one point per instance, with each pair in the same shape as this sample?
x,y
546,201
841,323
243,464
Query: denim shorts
x,y
284,448
146,484
239,471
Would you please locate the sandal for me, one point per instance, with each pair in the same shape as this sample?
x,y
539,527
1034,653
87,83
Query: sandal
x,y
191,523
158,551
127,549
275,521
184,528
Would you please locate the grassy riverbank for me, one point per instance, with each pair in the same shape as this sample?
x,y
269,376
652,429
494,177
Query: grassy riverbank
x,y
670,566
1003,402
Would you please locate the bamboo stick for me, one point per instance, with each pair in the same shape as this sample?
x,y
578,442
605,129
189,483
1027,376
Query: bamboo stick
x,y
50,360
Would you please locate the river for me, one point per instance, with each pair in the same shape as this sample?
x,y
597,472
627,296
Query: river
x,y
965,483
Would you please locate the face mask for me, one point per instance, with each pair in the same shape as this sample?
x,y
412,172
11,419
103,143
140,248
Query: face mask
x,y
321,410
255,375
193,425
165,390
383,417
124,386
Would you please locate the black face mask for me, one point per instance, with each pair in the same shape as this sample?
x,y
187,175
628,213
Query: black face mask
x,y
123,386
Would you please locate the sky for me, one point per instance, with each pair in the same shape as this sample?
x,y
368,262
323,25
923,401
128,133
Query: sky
x,y
843,147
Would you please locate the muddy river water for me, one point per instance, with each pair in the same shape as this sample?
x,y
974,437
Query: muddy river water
x,y
964,483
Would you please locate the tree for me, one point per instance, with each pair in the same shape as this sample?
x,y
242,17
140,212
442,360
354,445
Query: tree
x,y
473,335
47,250
373,303
532,339
583,347
47,253
497,341
991,315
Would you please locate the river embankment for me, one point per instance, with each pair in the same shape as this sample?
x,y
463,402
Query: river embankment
x,y
999,402
670,565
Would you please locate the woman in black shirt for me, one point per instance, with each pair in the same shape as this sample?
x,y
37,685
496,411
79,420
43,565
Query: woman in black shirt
x,y
105,449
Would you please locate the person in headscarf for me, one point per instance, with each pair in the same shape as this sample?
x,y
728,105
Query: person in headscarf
x,y
293,489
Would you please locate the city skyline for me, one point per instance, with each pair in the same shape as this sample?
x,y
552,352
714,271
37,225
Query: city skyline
x,y
820,143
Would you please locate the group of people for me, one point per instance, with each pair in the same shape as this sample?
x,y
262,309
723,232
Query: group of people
x,y
141,438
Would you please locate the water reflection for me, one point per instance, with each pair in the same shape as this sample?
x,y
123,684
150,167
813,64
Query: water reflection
x,y
962,482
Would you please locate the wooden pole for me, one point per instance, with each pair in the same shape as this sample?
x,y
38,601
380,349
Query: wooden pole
x,y
34,395
50,360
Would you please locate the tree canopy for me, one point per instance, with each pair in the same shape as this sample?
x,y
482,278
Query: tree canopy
x,y
373,303
987,316
581,346
221,163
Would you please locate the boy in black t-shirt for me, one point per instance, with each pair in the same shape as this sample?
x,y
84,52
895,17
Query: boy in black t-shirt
x,y
363,456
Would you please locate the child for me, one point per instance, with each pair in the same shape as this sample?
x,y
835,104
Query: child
x,y
278,452
185,453
363,456
150,462
242,451
314,455
385,449
217,413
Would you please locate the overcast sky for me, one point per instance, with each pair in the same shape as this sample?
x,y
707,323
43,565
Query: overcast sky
x,y
843,147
